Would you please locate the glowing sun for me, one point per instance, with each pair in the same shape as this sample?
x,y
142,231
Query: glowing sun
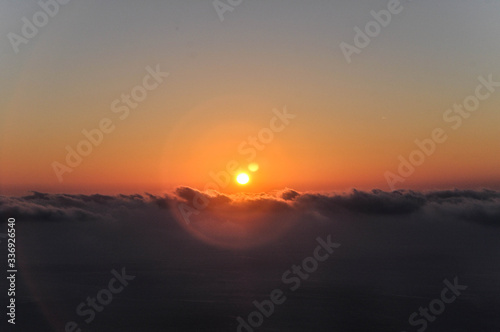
x,y
242,178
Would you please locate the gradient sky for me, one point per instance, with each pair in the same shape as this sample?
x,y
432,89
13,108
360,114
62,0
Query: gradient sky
x,y
352,120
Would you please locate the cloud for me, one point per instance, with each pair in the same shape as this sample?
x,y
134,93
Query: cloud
x,y
289,194
482,206
64,207
376,202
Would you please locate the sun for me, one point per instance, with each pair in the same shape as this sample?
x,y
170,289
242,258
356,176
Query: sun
x,y
242,178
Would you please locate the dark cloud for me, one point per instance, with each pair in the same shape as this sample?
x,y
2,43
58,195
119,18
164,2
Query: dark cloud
x,y
461,195
289,194
376,202
64,207
481,206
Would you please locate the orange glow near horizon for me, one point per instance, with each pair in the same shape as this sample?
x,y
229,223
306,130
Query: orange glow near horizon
x,y
207,143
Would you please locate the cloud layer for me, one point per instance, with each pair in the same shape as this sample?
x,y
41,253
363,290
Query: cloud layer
x,y
396,249
476,206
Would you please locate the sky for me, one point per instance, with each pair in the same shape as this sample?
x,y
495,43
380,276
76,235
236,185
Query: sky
x,y
350,117
366,126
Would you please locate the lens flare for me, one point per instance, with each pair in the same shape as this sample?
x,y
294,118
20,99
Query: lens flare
x,y
253,167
